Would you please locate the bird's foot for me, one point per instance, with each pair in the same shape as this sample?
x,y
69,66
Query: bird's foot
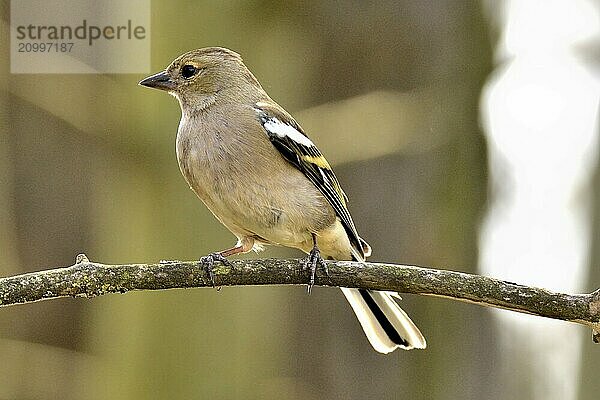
x,y
208,262
312,261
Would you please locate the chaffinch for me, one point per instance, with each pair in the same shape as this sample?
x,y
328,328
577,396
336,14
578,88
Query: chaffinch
x,y
261,176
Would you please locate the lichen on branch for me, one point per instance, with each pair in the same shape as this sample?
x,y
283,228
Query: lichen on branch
x,y
89,279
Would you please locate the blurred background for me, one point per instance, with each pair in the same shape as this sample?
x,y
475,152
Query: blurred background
x,y
464,132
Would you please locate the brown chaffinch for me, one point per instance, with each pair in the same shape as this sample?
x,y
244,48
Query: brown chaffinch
x,y
254,167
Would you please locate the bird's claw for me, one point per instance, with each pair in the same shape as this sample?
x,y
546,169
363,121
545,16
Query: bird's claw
x,y
208,262
312,261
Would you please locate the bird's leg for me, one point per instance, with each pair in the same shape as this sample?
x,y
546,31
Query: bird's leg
x,y
208,261
313,260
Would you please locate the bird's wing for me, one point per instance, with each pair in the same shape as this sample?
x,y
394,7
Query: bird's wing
x,y
293,144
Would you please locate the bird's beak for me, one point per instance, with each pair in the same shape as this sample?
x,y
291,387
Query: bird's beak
x,y
161,81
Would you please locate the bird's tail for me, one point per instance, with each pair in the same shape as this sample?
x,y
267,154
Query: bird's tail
x,y
386,325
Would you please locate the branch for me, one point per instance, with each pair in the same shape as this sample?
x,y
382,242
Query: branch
x,y
89,279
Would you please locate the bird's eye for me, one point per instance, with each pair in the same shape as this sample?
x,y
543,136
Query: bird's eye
x,y
187,71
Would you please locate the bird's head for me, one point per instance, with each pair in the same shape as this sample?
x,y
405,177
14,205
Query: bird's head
x,y
199,77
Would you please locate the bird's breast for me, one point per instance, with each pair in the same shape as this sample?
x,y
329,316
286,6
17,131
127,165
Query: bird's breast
x,y
248,185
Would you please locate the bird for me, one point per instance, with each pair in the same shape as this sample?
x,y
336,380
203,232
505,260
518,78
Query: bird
x,y
264,179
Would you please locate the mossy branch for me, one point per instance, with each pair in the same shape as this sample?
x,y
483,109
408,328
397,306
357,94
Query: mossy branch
x,y
89,279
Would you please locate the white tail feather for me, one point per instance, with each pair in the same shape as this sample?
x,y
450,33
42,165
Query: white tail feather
x,y
406,336
378,337
400,320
